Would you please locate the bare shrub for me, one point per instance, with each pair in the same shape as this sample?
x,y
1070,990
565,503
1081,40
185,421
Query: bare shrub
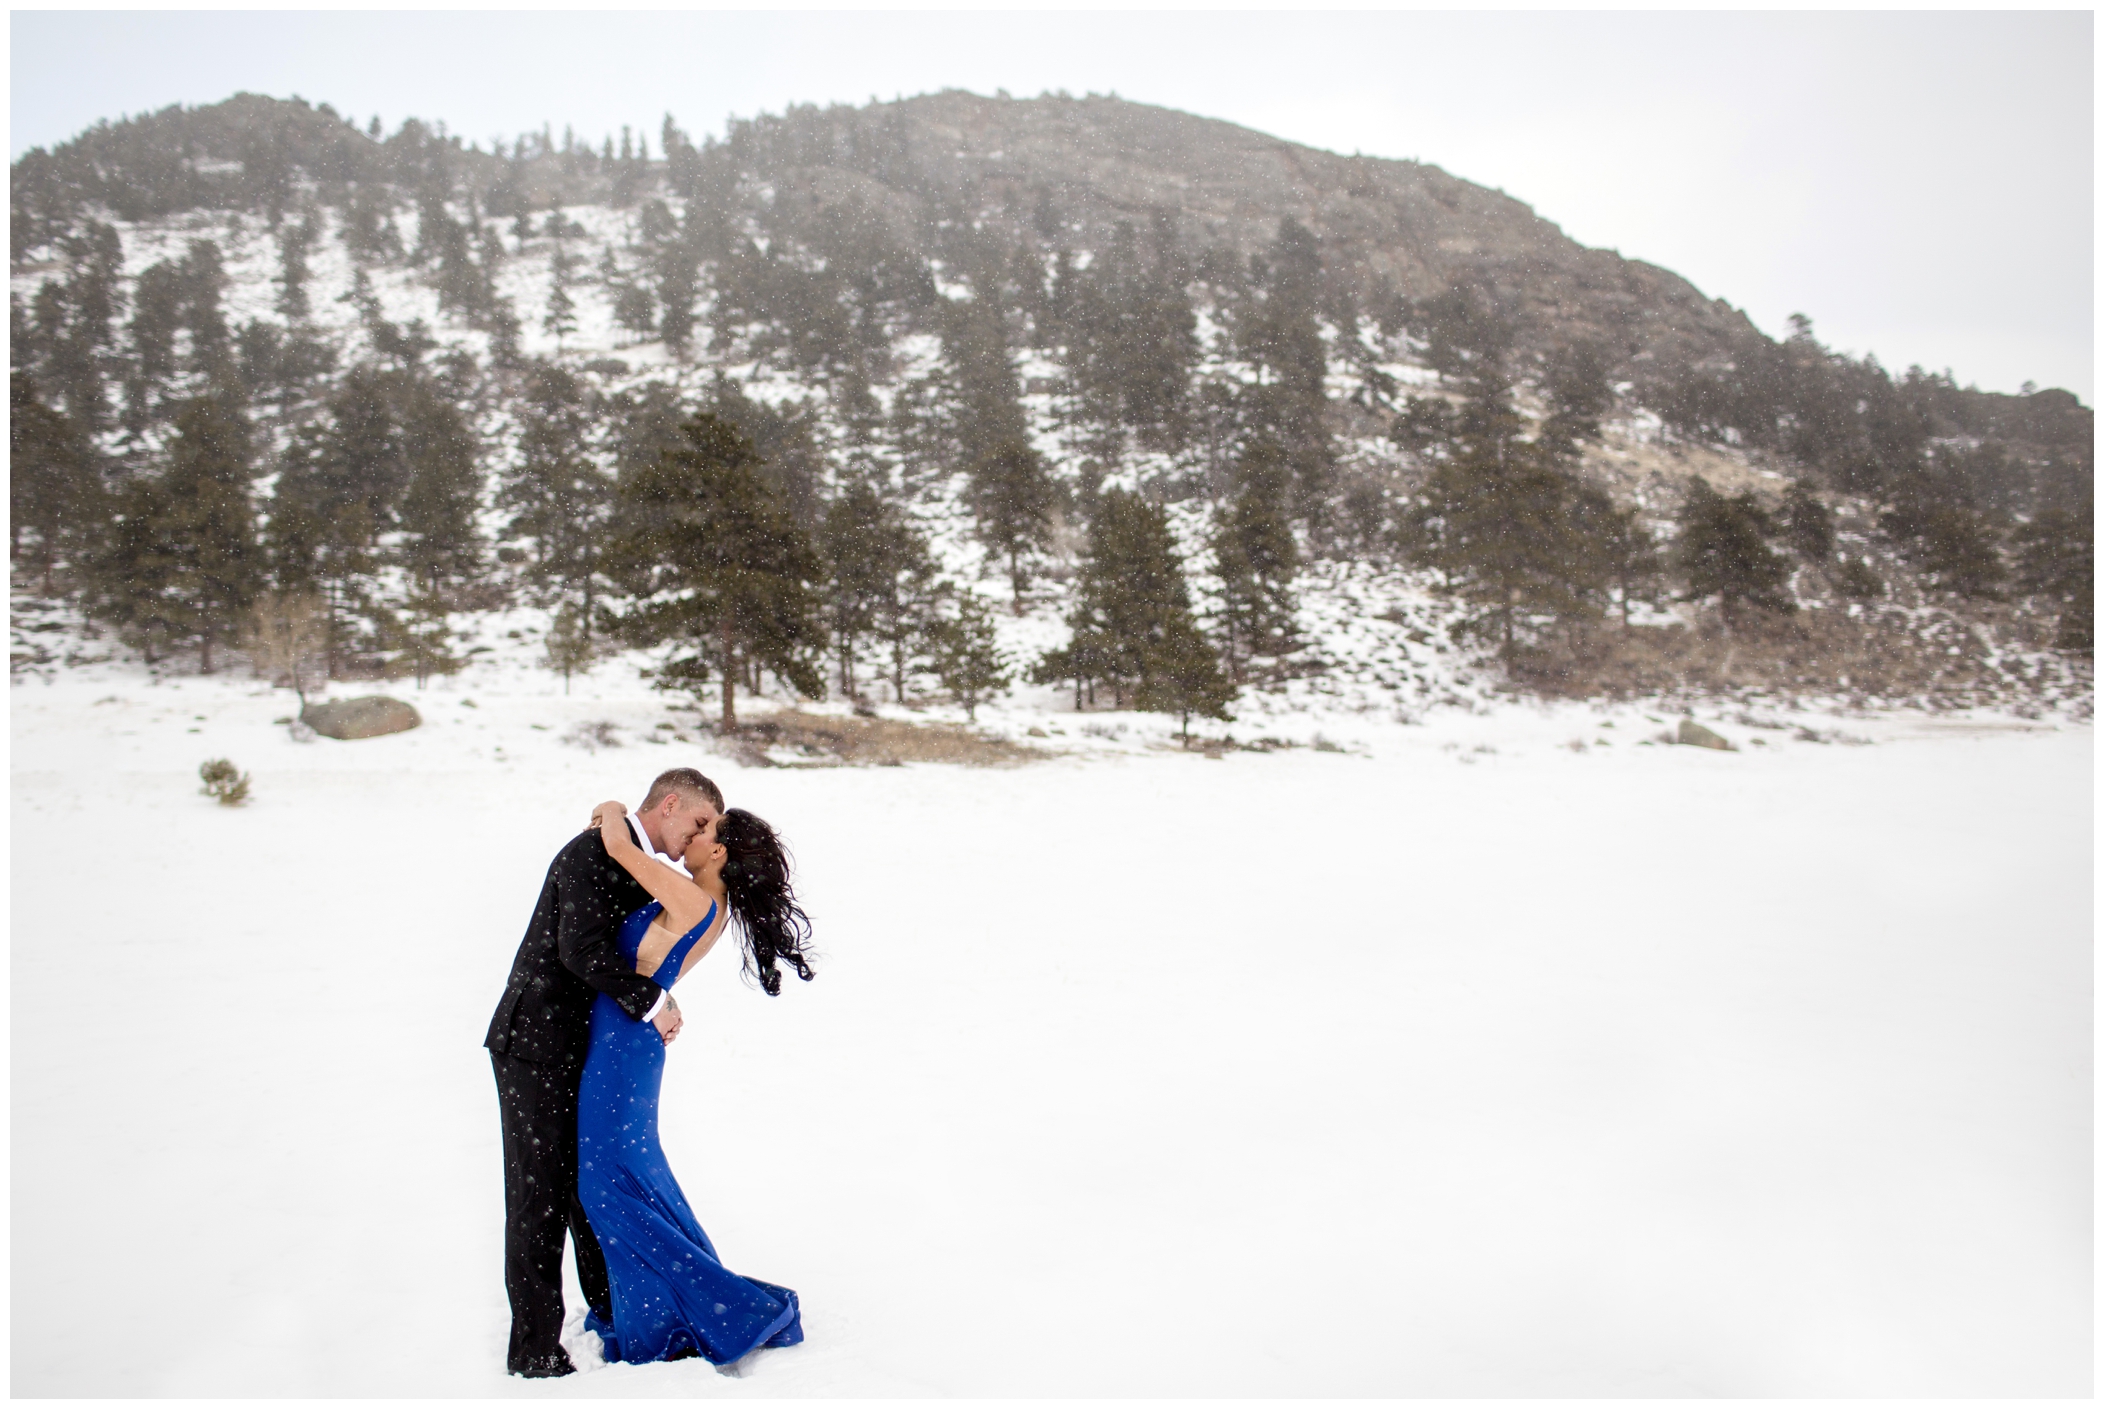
x,y
223,781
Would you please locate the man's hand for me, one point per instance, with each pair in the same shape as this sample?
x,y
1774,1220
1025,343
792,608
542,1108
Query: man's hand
x,y
668,1020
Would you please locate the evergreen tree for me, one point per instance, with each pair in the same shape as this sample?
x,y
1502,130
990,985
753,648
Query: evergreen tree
x,y
293,243
157,316
784,437
1465,334
677,264
1132,621
2056,559
1723,552
1579,393
52,493
1280,332
853,541
1131,335
720,566
368,222
966,655
635,310
68,328
1937,530
337,492
560,321
1425,424
207,526
439,545
904,610
1631,559
1185,678
1255,559
177,562
1012,497
420,638
204,283
1807,525
560,499
131,575
1503,523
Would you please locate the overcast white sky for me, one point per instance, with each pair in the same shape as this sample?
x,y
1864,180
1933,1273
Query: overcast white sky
x,y
1920,184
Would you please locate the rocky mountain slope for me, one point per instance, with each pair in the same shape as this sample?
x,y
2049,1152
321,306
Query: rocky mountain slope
x,y
944,188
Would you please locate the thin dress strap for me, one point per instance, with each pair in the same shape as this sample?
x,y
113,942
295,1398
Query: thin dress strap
x,y
677,956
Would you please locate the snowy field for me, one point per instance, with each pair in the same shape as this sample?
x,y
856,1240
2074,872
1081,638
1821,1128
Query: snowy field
x,y
1461,1063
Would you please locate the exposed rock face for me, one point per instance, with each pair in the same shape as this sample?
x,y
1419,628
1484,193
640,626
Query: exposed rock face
x,y
366,717
1048,171
1696,736
1102,160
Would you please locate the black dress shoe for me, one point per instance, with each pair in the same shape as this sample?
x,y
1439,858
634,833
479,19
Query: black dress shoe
x,y
545,1367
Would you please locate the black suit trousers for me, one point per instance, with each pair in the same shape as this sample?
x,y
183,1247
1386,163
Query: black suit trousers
x,y
539,1104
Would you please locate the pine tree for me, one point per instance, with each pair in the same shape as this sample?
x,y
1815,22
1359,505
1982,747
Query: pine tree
x,y
982,430
51,491
204,283
677,266
420,638
1935,527
720,566
1132,617
560,499
560,321
908,590
1012,497
1255,559
207,527
337,492
1282,335
440,545
1807,524
1723,552
1579,394
1131,336
1185,678
2056,559
967,656
1631,559
1502,523
130,577
852,541
636,311
293,242
157,316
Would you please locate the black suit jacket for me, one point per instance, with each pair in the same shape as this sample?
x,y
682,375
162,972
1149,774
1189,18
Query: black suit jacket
x,y
571,951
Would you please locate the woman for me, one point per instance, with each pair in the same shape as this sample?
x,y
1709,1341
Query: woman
x,y
672,1297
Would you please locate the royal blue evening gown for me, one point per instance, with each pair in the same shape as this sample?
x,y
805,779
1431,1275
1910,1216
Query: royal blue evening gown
x,y
672,1295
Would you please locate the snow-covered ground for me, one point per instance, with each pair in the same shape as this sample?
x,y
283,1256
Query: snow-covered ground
x,y
1465,1061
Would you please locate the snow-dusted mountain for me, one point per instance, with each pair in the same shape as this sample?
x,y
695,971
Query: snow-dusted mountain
x,y
937,188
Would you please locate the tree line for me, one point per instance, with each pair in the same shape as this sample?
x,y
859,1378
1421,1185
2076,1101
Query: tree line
x,y
136,405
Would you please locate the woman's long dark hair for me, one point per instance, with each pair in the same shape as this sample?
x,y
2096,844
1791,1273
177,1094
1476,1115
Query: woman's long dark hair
x,y
756,875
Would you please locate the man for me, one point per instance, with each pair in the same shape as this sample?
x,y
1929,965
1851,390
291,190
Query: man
x,y
537,1043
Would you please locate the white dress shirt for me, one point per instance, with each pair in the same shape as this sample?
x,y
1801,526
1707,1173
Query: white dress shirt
x,y
643,840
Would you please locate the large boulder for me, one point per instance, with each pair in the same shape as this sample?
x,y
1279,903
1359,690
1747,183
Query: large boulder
x,y
366,717
1695,735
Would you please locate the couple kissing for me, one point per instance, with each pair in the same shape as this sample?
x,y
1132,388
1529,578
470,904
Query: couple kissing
x,y
578,1043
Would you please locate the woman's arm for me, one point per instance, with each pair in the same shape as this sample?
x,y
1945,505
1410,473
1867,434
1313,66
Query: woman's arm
x,y
686,904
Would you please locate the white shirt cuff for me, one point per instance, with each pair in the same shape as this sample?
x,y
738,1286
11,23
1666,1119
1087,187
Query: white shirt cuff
x,y
663,994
